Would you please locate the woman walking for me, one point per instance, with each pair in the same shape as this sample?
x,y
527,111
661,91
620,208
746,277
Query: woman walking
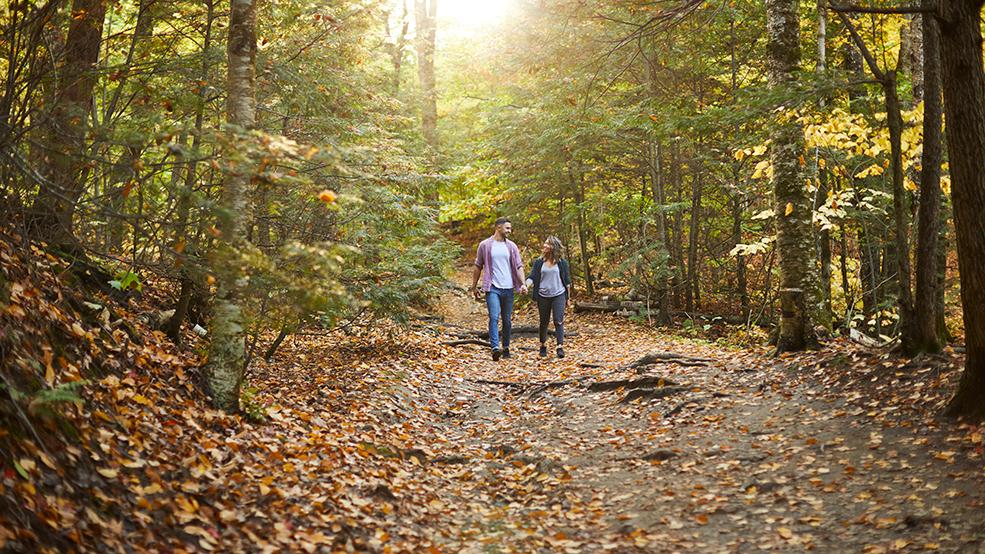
x,y
550,284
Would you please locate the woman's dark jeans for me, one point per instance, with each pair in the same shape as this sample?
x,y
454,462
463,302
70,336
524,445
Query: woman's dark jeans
x,y
546,307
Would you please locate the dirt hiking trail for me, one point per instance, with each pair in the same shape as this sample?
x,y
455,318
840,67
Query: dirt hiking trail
x,y
641,442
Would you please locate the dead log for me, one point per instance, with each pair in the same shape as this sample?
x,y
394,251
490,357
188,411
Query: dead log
x,y
861,338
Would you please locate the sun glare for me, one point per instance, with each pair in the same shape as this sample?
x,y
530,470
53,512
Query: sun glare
x,y
469,16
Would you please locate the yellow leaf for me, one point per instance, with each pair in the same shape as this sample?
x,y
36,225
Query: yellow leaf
x,y
789,209
108,473
49,370
821,163
785,532
141,399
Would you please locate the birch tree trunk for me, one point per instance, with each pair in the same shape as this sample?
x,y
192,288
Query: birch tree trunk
x,y
793,206
964,101
224,371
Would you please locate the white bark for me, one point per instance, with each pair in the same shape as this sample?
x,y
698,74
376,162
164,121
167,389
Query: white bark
x,y
224,371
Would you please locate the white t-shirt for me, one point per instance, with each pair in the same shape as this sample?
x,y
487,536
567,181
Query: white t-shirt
x,y
502,277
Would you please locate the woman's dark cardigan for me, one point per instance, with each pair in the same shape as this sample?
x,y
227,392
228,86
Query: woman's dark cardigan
x,y
535,276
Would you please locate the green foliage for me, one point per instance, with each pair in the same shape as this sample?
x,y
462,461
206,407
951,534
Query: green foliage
x,y
251,406
45,402
125,280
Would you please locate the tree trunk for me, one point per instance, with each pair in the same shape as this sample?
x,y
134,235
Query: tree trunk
x,y
793,207
900,245
901,232
692,244
583,232
918,52
396,50
845,285
824,252
425,12
657,186
925,333
740,260
67,171
224,371
737,196
964,100
184,245
869,275
126,173
677,245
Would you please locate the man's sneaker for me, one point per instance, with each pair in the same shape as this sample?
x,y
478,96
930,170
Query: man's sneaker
x,y
496,354
560,352
543,351
506,353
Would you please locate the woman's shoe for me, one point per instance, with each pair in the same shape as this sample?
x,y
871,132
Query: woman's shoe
x,y
543,351
560,352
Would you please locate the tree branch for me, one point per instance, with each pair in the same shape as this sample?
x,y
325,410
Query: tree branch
x,y
883,10
860,44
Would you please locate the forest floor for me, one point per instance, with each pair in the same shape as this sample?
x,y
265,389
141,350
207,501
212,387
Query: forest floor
x,y
385,439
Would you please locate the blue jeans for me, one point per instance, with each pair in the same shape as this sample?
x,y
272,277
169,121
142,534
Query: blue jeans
x,y
499,303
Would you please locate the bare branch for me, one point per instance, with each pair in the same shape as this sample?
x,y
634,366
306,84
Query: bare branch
x,y
880,9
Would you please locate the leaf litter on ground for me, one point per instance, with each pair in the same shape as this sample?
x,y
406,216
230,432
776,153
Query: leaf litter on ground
x,y
385,440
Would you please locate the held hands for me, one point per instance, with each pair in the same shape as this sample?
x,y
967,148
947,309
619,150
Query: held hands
x,y
523,289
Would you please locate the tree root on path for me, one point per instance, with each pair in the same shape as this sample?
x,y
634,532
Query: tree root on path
x,y
644,382
462,342
667,358
534,387
651,394
556,384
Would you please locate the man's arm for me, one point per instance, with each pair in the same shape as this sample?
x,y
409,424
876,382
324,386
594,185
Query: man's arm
x,y
519,270
476,273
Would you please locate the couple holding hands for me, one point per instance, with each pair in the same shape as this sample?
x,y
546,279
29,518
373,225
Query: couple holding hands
x,y
498,262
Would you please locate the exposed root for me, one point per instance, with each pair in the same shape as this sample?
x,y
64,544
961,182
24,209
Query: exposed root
x,y
642,383
651,394
668,358
462,342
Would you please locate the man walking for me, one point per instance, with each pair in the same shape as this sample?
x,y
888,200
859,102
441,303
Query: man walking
x,y
498,261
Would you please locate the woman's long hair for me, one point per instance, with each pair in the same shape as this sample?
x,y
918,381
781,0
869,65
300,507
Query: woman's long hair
x,y
557,249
